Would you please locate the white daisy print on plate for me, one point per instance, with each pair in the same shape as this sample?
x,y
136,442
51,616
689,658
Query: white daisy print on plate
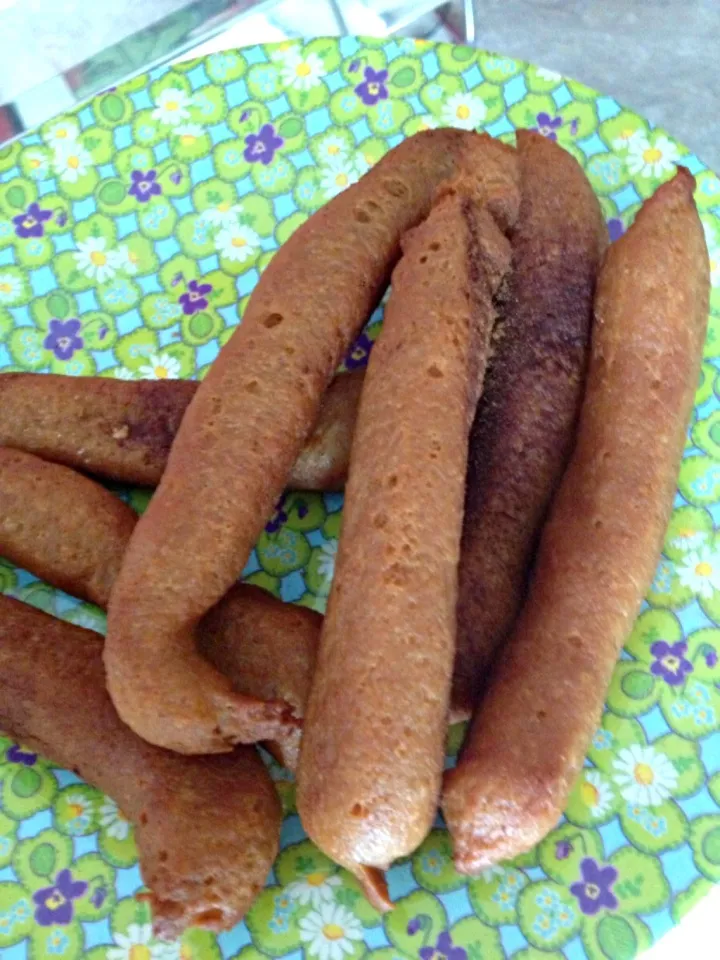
x,y
11,288
338,175
645,776
332,146
171,106
596,793
137,944
302,72
72,161
314,888
188,133
331,932
38,164
225,214
113,821
427,122
651,159
715,268
124,260
626,136
551,76
94,260
687,538
61,133
326,563
464,110
79,811
237,243
699,571
122,373
160,366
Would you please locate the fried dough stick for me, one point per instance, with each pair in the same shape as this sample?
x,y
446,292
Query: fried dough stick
x,y
601,543
372,752
525,422
244,429
123,430
207,828
63,527
72,532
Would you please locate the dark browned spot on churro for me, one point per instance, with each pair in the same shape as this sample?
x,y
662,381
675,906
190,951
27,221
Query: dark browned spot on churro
x,y
273,320
251,386
435,371
209,918
396,188
359,810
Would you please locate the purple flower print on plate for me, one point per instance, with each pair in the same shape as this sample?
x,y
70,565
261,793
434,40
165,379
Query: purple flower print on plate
x,y
278,518
616,228
444,949
144,185
54,905
260,147
357,355
373,87
16,754
63,338
594,890
30,223
99,896
670,662
548,126
195,299
563,849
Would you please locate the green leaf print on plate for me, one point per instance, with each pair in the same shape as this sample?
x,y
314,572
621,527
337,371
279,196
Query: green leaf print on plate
x,y
233,153
615,937
39,859
26,788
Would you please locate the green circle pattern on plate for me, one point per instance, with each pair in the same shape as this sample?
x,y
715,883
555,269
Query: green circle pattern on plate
x,y
132,232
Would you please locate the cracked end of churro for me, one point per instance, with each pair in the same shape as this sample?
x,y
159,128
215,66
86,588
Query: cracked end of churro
x,y
171,918
248,719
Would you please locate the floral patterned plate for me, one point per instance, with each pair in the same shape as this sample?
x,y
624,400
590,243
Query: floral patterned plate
x,y
131,234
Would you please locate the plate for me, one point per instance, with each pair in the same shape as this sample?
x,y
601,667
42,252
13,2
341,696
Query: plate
x,y
194,174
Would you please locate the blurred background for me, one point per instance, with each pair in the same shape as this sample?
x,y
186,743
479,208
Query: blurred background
x,y
657,56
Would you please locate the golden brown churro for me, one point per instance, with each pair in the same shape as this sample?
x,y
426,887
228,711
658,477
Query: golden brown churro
x,y
265,647
73,533
600,546
207,828
122,430
61,526
372,751
526,418
243,431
